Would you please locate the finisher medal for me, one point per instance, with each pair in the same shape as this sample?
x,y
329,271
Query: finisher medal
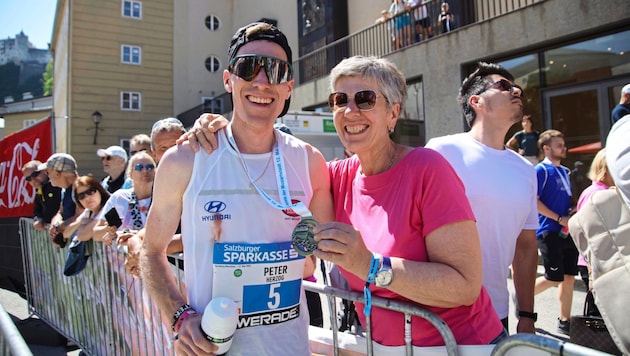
x,y
302,237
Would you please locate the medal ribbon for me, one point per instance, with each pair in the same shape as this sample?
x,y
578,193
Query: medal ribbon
x,y
281,180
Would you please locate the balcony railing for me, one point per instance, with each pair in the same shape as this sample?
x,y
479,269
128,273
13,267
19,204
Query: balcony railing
x,y
380,39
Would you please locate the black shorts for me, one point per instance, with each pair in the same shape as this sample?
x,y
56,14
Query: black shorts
x,y
559,256
425,22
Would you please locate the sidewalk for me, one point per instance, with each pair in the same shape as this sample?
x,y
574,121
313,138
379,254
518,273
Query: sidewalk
x,y
42,339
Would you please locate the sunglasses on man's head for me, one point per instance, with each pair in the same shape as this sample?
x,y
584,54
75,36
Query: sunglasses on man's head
x,y
248,66
89,192
134,152
505,85
365,100
139,167
32,175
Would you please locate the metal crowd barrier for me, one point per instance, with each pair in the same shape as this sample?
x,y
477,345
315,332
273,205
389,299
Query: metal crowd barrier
x,y
11,342
107,312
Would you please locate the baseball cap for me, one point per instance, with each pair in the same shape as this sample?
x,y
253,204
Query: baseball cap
x,y
261,31
112,151
626,89
618,156
61,162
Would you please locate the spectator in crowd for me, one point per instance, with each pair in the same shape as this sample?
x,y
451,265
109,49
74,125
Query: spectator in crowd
x,y
601,180
62,171
446,19
399,10
525,142
132,205
114,159
623,108
90,196
601,231
260,80
383,18
554,208
164,135
500,186
47,198
404,229
139,142
422,21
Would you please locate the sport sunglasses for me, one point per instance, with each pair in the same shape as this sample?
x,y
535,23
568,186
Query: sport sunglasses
x,y
365,100
505,85
139,167
247,67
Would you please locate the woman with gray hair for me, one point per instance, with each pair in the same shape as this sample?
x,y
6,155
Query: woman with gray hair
x,y
404,229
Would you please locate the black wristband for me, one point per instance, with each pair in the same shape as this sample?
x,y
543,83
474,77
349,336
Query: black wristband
x,y
179,313
559,219
530,315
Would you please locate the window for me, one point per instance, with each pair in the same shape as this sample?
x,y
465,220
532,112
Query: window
x,y
130,101
130,54
212,105
213,64
212,22
29,123
132,9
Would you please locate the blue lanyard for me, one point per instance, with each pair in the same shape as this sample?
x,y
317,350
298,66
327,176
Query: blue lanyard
x,y
367,294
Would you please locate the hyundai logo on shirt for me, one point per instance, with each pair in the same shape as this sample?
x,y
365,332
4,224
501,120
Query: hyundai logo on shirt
x,y
214,206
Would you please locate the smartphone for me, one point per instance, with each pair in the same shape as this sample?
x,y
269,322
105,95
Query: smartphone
x,y
112,218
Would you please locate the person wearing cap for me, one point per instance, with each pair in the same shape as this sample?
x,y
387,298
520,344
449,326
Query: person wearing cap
x,y
601,232
47,198
62,171
232,200
623,108
114,159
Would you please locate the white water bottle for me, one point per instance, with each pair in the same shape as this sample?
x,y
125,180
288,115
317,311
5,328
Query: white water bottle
x,y
218,323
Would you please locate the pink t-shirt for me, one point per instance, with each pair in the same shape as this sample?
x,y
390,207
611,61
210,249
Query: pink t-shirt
x,y
395,211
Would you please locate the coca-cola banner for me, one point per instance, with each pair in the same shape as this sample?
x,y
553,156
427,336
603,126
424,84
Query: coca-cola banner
x,y
16,194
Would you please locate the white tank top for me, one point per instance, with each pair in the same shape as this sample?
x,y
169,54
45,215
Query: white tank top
x,y
238,246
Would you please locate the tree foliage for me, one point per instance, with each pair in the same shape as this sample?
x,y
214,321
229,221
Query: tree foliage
x,y
47,78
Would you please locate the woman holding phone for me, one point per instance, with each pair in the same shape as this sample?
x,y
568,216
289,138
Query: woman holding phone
x,y
90,195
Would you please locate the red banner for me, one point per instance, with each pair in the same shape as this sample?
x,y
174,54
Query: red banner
x,y
17,195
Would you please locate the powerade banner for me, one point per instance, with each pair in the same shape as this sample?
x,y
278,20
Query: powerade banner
x,y
16,194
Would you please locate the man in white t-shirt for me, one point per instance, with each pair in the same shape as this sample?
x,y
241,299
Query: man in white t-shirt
x,y
238,207
500,186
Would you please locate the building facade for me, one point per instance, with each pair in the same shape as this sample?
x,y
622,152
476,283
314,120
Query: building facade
x,y
138,61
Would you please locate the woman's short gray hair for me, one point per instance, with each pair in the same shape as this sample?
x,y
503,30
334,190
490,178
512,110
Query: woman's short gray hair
x,y
391,82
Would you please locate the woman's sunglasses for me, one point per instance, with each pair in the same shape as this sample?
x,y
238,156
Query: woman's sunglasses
x,y
248,66
33,175
505,85
139,167
89,192
365,100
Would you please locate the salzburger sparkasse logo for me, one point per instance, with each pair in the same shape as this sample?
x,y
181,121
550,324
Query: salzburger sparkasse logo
x,y
214,206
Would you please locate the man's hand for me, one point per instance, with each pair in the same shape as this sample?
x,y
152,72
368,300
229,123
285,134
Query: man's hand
x,y
191,341
39,225
132,261
203,132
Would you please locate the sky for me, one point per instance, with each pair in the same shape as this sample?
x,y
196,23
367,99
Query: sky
x,y
34,17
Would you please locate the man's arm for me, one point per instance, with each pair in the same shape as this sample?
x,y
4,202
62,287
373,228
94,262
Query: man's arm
x,y
164,215
524,267
544,210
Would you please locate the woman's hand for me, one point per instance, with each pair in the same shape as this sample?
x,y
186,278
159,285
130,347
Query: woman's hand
x,y
110,235
343,245
203,132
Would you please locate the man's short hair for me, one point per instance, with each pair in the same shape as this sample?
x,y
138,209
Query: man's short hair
x,y
166,125
476,83
257,31
140,140
60,162
545,138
